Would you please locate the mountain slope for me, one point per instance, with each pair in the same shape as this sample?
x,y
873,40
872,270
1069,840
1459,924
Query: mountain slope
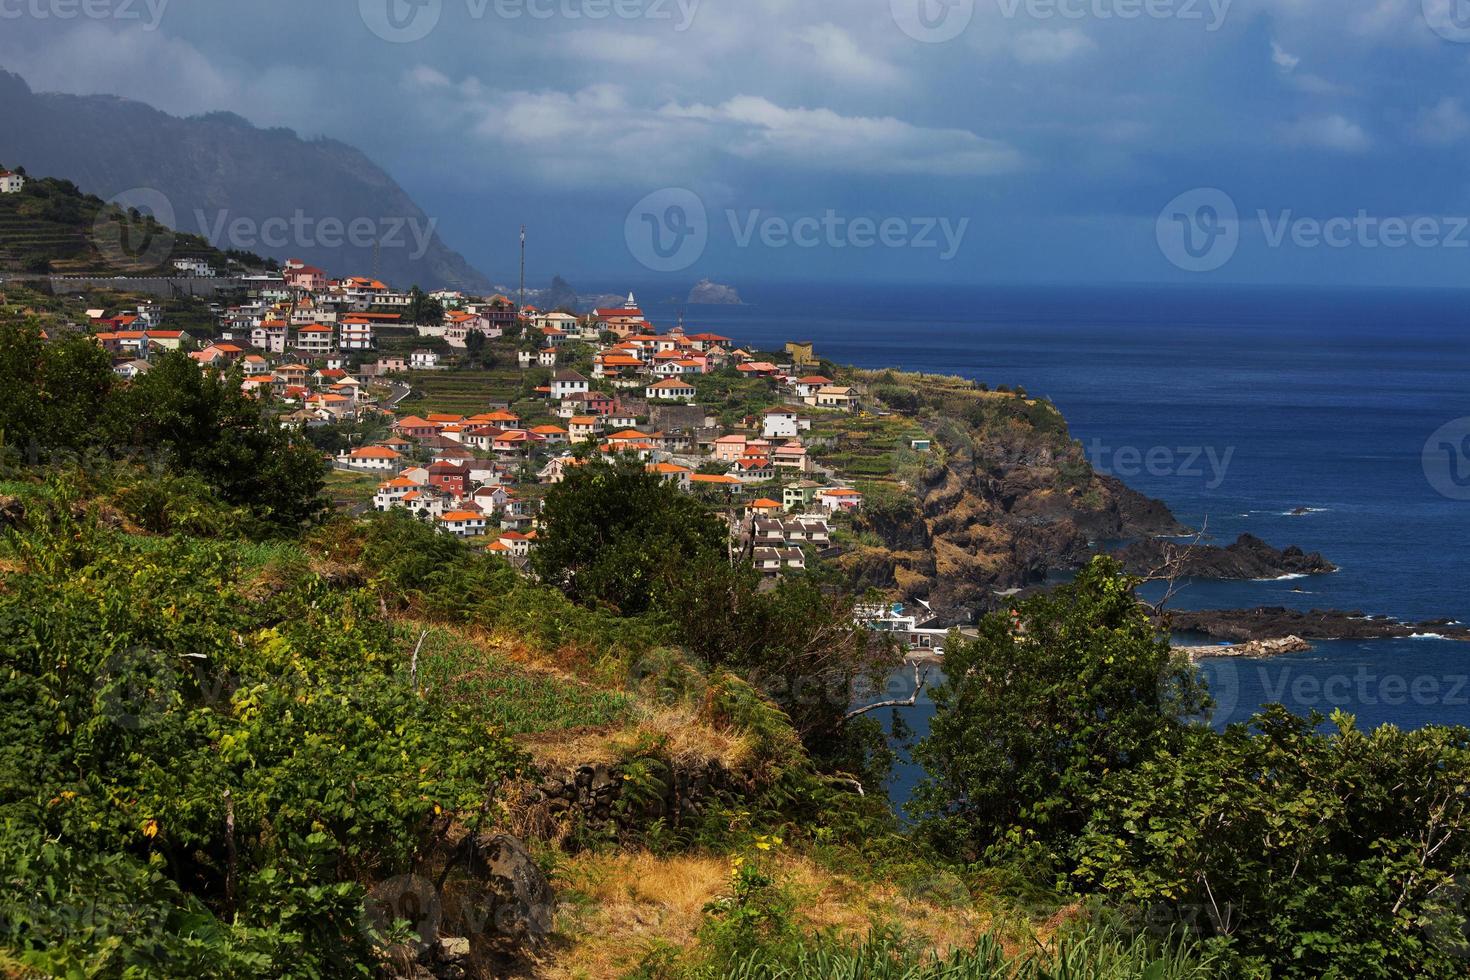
x,y
51,227
217,169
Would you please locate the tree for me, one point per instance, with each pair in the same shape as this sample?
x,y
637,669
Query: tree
x,y
1036,710
51,394
201,422
424,309
612,532
798,644
1315,855
474,347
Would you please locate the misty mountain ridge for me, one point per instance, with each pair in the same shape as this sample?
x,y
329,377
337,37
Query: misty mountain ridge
x,y
266,191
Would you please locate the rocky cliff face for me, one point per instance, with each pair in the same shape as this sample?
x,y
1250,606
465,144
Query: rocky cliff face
x,y
1008,497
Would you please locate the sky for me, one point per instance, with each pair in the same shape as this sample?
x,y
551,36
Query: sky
x,y
968,141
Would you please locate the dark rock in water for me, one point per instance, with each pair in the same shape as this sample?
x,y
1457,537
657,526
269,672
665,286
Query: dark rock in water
x,y
1276,622
1248,558
1300,512
709,293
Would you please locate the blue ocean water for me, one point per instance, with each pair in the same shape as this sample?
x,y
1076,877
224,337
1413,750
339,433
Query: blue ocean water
x,y
1236,406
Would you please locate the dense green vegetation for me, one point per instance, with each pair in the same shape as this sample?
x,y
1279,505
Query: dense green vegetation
x,y
228,715
201,767
60,401
1058,751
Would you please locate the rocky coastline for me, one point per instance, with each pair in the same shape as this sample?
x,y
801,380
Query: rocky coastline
x,y
1276,622
1248,559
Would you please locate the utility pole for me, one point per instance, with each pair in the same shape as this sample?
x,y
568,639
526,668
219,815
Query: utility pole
x,y
521,303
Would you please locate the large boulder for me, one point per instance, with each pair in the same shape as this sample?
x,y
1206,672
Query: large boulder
x,y
520,905
12,512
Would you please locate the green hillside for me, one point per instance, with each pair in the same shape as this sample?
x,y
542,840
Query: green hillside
x,y
52,227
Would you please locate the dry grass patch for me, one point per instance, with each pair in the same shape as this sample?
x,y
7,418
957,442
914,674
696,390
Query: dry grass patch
x,y
682,736
616,908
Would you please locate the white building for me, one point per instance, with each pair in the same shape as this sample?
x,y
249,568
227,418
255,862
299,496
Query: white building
x,y
356,334
316,340
11,183
670,390
195,267
568,383
464,523
424,360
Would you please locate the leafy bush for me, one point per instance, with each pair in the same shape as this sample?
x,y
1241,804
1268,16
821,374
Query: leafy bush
x,y
235,763
1316,855
1036,711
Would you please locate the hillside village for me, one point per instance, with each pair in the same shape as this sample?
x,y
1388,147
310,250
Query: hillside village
x,y
608,383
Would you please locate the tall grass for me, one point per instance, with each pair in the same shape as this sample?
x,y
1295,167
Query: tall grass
x,y
505,693
1094,952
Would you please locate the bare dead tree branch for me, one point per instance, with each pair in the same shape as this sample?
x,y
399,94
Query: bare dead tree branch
x,y
1173,568
413,665
920,680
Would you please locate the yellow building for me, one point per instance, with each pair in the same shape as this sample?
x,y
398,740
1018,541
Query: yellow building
x,y
803,352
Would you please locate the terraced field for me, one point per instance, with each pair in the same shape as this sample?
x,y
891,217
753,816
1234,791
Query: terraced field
x,y
51,227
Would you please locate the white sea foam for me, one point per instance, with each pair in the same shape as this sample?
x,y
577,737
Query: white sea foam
x,y
1282,578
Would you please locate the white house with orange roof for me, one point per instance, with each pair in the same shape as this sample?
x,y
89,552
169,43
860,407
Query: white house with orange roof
x,y
583,428
372,458
11,182
356,333
834,499
316,340
517,545
670,389
717,481
270,335
391,493
672,473
464,523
